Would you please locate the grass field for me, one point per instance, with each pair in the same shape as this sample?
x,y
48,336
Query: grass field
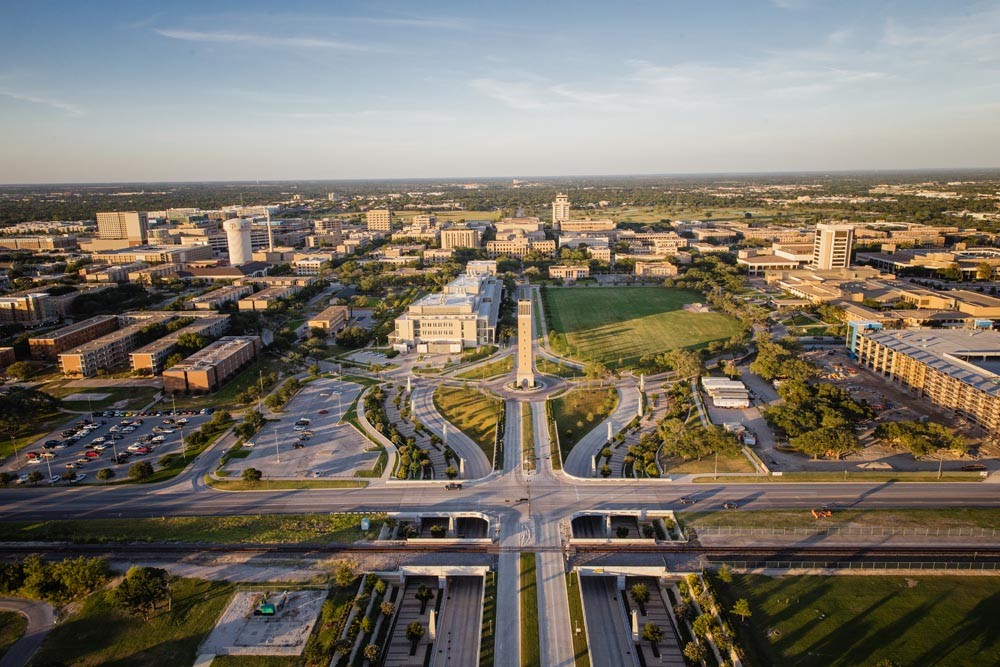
x,y
498,367
264,528
961,517
471,411
678,466
135,397
12,626
487,637
856,476
527,437
843,621
617,325
571,412
227,395
101,635
580,654
530,647
552,368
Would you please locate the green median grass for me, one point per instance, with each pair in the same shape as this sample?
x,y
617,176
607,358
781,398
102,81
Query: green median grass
x,y
530,646
473,412
100,634
283,484
581,655
527,437
578,412
675,465
947,517
618,325
843,621
487,638
252,529
855,476
12,627
560,370
492,369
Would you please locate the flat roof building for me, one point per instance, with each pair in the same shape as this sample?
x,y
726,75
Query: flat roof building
x,y
957,369
463,315
216,299
379,220
331,319
268,296
50,345
129,226
832,246
210,368
151,357
107,351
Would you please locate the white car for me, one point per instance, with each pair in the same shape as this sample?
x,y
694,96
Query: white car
x,y
100,447
34,461
23,479
249,444
80,476
159,438
99,440
298,428
55,479
135,446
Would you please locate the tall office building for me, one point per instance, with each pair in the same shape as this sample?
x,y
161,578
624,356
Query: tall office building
x,y
379,220
560,210
832,246
125,225
238,240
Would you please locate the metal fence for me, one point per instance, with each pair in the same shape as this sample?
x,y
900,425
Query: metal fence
x,y
857,565
846,531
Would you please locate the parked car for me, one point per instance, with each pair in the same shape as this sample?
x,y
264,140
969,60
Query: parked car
x,y
730,506
92,454
79,477
686,501
453,486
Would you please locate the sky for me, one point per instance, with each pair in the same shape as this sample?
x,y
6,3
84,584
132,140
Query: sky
x,y
189,91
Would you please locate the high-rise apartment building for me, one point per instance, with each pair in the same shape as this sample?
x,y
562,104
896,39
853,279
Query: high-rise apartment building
x,y
560,210
379,220
123,225
832,246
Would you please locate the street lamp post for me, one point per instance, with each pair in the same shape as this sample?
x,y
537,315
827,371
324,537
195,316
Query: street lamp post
x,y
17,457
277,452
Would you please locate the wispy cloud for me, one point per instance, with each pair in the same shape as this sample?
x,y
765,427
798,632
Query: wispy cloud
x,y
974,35
437,23
515,94
58,105
225,37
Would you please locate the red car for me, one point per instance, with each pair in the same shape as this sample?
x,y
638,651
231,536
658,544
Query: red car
x,y
142,450
91,454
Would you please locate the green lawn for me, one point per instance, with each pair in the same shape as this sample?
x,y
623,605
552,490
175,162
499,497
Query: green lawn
x,y
283,484
101,635
678,466
471,411
530,651
258,528
962,517
527,437
12,627
617,325
487,638
494,368
578,412
561,370
843,621
135,397
580,654
226,396
854,476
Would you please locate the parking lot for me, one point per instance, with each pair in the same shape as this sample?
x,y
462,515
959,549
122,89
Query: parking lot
x,y
114,440
292,448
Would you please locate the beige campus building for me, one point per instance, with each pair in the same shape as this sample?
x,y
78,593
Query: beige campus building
x,y
50,345
463,315
120,225
459,237
832,246
331,319
379,220
211,367
956,369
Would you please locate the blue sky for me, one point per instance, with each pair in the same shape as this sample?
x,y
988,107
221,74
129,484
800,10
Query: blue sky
x,y
207,90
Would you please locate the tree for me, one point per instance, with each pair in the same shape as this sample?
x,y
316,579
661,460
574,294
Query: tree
x,y
141,589
105,474
826,441
20,370
34,477
344,573
6,478
371,653
387,608
252,475
695,652
686,363
424,594
742,609
725,574
652,633
140,471
984,271
414,631
702,625
22,407
640,593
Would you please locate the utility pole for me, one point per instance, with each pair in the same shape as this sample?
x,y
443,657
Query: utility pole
x,y
17,457
277,453
717,465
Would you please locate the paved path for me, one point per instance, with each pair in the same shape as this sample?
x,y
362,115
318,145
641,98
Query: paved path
x,y
610,646
41,619
507,647
578,462
457,641
476,463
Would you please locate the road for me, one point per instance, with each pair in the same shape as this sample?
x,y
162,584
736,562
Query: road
x,y
457,640
610,646
580,459
41,619
476,463
507,647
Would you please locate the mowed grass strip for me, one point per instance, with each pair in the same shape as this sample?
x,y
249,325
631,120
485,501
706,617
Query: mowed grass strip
x,y
578,412
618,325
487,637
473,412
947,517
492,369
102,635
843,621
527,437
258,528
581,656
530,646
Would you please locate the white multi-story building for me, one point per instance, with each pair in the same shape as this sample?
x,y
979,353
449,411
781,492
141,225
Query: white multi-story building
x,y
832,246
560,210
463,315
